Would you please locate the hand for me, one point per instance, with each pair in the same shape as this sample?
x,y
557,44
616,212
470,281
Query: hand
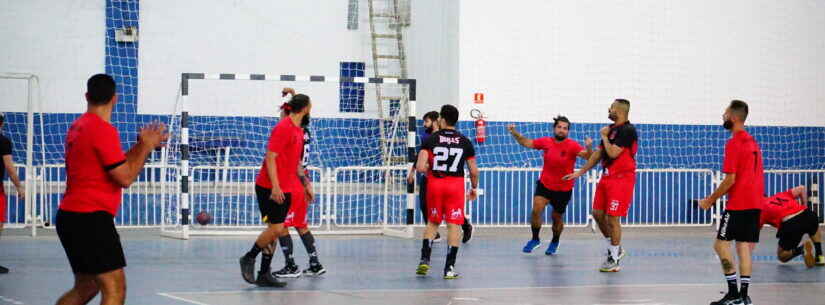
x,y
153,134
411,177
511,128
286,91
705,203
277,195
309,194
604,131
588,142
21,193
572,176
473,195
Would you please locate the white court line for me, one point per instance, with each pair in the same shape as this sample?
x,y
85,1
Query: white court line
x,y
477,289
181,299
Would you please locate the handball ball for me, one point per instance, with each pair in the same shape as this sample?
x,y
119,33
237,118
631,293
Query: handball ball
x,y
203,218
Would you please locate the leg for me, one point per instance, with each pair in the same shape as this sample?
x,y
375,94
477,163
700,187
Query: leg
x,y
558,226
454,240
2,269
315,267
112,287
601,220
615,225
784,255
539,203
743,250
722,248
290,269
85,288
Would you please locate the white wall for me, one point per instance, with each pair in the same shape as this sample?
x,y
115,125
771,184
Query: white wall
x,y
432,46
677,61
62,42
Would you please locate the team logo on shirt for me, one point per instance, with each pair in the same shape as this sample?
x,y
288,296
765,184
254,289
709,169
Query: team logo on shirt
x,y
290,216
612,135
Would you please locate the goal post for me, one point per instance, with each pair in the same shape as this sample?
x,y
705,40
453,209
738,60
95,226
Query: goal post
x,y
225,186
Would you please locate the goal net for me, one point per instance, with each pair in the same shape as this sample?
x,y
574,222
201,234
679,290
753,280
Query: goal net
x,y
358,157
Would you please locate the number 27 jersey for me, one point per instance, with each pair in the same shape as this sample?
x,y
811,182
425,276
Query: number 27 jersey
x,y
448,152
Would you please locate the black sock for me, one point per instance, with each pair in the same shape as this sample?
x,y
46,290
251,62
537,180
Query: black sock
x,y
451,258
818,248
266,261
309,245
466,222
556,236
253,253
286,247
535,232
746,281
732,289
426,250
796,252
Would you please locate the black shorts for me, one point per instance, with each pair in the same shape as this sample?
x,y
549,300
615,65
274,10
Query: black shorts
x,y
90,241
558,200
740,226
271,211
792,230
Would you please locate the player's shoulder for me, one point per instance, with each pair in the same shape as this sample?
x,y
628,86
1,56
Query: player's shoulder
x,y
628,127
4,139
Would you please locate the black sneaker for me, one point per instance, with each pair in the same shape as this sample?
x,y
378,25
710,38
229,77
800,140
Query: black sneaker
x,y
265,279
467,228
728,299
4,270
747,300
248,269
289,271
315,270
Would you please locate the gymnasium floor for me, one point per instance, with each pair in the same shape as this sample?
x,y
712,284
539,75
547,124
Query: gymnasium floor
x,y
664,266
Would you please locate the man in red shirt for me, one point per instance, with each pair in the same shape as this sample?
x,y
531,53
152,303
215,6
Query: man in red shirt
x,y
7,166
560,153
443,158
793,219
614,193
277,187
96,172
744,184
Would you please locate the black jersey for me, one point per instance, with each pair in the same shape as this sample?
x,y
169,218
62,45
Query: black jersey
x,y
448,151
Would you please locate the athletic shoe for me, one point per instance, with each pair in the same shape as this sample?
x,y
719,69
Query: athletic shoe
x,y
467,228
4,270
531,245
315,270
729,300
450,274
610,265
809,254
437,238
289,271
551,249
747,300
265,279
422,269
248,269
622,253
820,260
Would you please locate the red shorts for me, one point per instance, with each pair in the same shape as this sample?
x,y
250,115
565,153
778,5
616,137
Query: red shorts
x,y
614,194
3,206
445,199
297,214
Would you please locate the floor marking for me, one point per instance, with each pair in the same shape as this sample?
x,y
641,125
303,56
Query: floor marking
x,y
181,299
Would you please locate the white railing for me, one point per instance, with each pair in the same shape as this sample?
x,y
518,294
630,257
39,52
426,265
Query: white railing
x,y
17,214
669,197
368,196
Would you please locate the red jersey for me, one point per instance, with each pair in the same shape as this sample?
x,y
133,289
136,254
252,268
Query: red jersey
x,y
624,136
559,160
92,149
287,140
744,158
777,207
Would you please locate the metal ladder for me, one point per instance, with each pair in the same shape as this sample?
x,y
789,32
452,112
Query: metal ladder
x,y
389,61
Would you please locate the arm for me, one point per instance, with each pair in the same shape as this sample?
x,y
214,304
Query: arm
x,y
474,173
594,159
801,192
520,138
723,188
422,165
306,182
612,150
150,136
9,164
588,151
272,171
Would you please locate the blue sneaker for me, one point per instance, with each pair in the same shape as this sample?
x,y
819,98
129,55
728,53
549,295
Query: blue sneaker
x,y
551,249
531,245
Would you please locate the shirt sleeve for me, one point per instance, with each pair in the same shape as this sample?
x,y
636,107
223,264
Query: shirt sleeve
x,y
5,146
731,162
575,149
541,143
107,147
626,136
469,149
279,139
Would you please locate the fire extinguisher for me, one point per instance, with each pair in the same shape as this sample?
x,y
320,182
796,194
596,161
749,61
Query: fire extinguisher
x,y
481,125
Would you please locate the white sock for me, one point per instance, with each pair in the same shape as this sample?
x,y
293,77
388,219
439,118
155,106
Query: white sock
x,y
614,252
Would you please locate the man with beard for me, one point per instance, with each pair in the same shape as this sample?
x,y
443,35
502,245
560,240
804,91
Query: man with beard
x,y
560,155
614,193
430,127
745,185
